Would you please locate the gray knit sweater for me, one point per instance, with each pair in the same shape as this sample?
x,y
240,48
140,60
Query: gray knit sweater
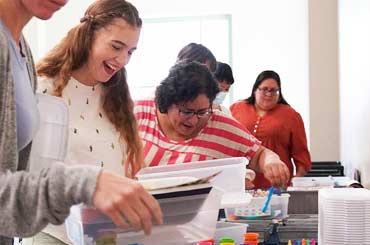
x,y
29,201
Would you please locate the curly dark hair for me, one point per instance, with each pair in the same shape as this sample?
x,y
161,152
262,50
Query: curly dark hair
x,y
184,83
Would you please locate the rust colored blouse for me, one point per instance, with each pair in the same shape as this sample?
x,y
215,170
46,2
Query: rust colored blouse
x,y
280,130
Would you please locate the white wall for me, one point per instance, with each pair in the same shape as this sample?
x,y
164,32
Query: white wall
x,y
43,35
354,60
323,80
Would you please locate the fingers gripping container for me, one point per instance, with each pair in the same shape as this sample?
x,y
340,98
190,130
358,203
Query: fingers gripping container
x,y
278,208
187,219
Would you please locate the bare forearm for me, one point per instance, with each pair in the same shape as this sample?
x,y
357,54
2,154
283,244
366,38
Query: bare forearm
x,y
267,157
262,157
269,163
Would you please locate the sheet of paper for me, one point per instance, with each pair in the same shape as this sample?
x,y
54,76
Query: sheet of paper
x,y
170,182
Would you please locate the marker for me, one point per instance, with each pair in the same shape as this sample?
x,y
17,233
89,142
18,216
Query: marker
x,y
271,191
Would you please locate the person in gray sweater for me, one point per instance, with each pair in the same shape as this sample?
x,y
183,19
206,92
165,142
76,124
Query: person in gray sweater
x,y
29,201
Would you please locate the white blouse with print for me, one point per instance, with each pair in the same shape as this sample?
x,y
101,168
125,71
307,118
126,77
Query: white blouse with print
x,y
93,139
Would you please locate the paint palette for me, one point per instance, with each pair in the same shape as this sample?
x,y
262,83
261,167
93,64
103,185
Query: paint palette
x,y
278,208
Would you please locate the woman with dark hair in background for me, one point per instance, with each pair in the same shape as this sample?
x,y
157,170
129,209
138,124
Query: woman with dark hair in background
x,y
198,52
268,116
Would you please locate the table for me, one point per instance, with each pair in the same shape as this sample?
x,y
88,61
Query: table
x,y
296,227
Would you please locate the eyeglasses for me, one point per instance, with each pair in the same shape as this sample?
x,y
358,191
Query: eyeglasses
x,y
186,113
269,91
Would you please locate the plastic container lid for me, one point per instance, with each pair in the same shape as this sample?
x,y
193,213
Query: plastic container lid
x,y
312,182
226,239
251,236
207,242
234,200
50,143
345,194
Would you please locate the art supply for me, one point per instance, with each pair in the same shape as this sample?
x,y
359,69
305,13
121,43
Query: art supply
x,y
251,238
277,191
267,203
205,243
271,235
227,241
303,241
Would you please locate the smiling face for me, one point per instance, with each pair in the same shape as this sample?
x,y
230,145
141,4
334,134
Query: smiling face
x,y
43,9
184,125
111,50
267,95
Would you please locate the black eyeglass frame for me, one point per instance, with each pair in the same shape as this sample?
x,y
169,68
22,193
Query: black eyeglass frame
x,y
267,91
187,113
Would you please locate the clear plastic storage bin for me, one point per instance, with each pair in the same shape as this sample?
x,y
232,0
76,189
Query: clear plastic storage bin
x,y
51,140
278,208
233,230
313,181
187,219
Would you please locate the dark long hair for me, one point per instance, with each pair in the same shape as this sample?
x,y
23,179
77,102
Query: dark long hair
x,y
73,52
198,52
262,77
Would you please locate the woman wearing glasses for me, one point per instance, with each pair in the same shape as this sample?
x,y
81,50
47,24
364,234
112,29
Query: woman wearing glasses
x,y
178,125
268,116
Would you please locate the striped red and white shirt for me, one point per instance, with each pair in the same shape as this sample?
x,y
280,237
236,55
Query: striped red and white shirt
x,y
222,137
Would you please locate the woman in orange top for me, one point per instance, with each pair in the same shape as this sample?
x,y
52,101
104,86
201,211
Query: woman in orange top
x,y
268,116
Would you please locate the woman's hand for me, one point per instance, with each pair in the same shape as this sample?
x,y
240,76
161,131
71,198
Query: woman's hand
x,y
277,173
269,163
126,202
